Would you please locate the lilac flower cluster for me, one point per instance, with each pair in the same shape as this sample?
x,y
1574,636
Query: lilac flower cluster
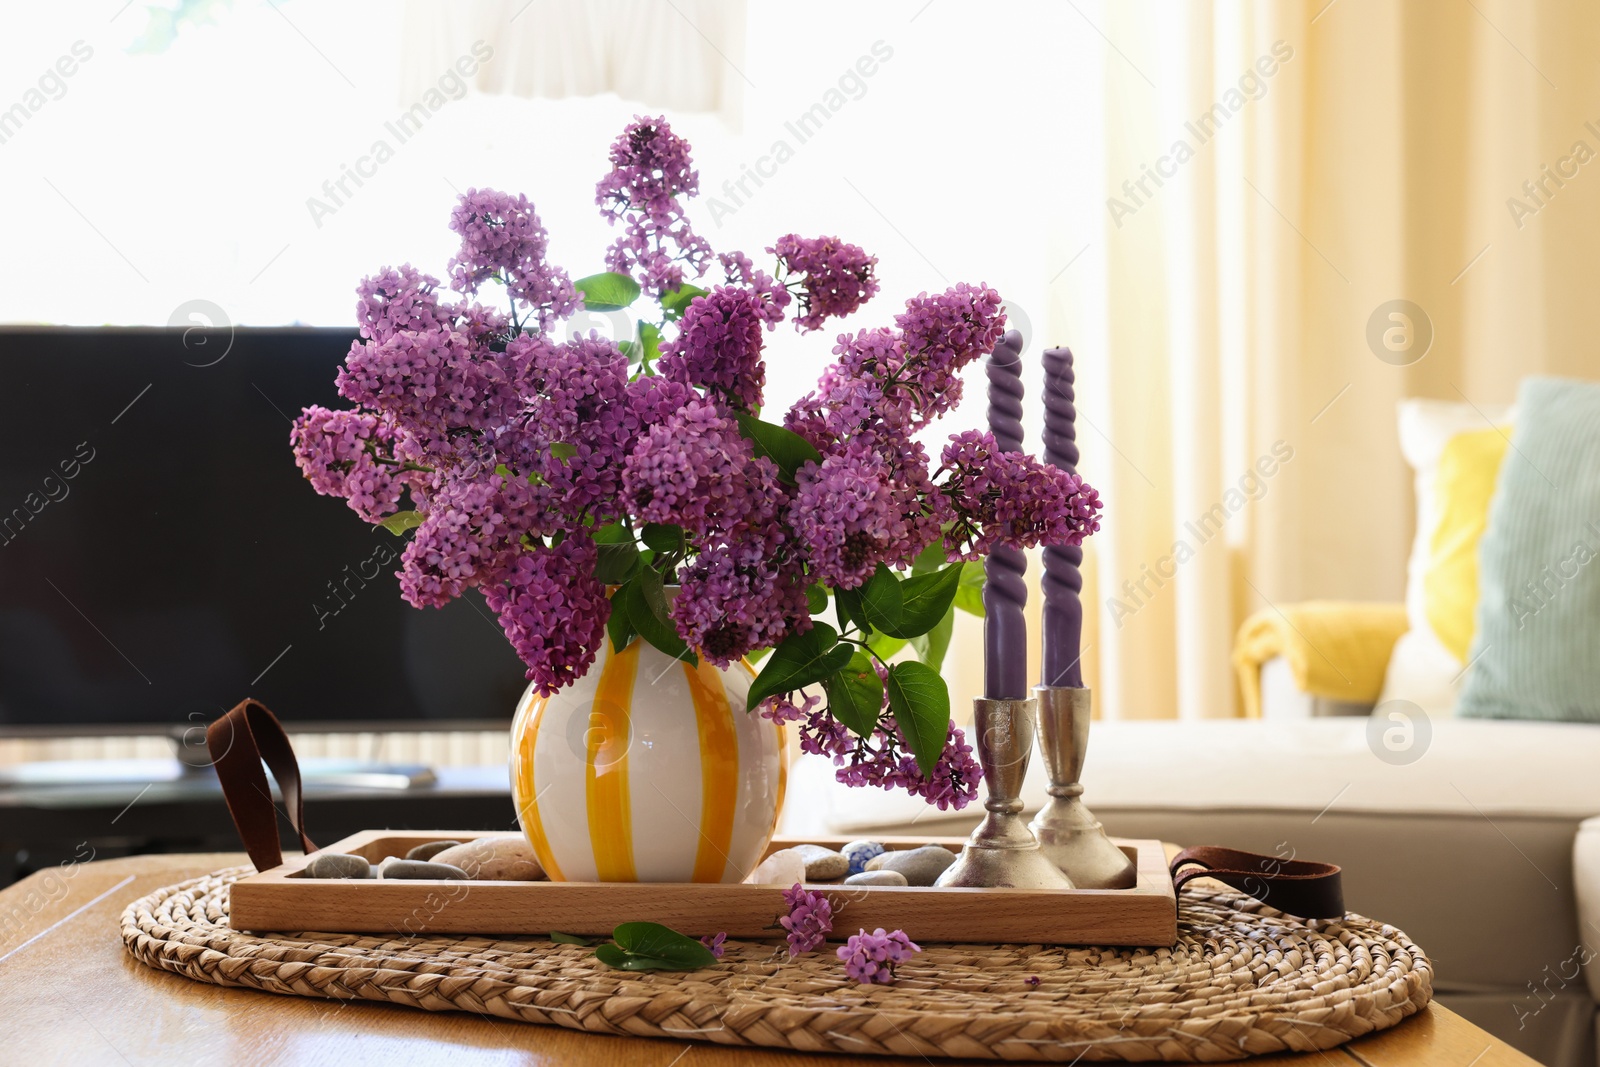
x,y
650,170
809,921
517,446
552,609
502,239
340,452
881,759
718,346
1007,498
835,277
870,958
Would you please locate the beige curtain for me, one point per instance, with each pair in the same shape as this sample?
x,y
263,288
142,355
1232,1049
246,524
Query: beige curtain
x,y
1316,161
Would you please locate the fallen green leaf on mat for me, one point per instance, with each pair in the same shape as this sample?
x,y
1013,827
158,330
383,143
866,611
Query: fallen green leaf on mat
x,y
652,947
572,939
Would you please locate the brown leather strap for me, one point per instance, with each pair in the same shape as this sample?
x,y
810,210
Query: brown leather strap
x,y
1299,887
239,742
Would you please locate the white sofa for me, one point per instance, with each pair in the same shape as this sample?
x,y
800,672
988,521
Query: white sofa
x,y
1470,848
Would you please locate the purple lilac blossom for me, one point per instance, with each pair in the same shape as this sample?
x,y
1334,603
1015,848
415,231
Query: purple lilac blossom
x,y
809,921
338,451
690,470
393,300
718,347
1010,499
735,599
836,277
553,610
871,958
503,240
651,170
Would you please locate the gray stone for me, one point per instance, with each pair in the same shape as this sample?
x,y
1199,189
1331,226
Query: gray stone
x,y
395,867
823,864
430,850
785,867
877,878
338,865
921,866
495,859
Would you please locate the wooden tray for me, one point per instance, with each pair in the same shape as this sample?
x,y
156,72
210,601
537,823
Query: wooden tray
x,y
284,899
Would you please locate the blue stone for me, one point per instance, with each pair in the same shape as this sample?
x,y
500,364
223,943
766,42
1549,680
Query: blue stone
x,y
860,853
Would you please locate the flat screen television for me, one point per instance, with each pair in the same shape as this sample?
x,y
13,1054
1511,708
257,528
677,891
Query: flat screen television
x,y
161,556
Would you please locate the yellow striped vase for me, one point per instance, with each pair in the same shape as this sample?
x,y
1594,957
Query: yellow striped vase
x,y
647,770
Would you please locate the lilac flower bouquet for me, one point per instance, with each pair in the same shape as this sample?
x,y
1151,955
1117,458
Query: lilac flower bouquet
x,y
572,480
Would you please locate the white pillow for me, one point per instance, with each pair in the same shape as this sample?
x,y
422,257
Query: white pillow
x,y
1421,669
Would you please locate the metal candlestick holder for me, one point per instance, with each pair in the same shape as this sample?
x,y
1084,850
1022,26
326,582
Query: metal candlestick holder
x,y
1002,851
1068,834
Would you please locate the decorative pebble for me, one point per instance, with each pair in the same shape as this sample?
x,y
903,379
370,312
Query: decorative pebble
x,y
921,866
858,853
395,867
784,867
338,865
430,850
822,864
495,859
877,878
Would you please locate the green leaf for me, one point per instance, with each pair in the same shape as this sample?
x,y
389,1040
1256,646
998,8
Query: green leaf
x,y
925,600
855,694
647,612
932,646
786,448
921,705
847,606
607,292
619,627
401,521
758,655
969,594
563,451
929,559
571,939
612,533
662,537
677,301
650,345
801,659
885,646
615,563
653,947
882,603
630,350
817,599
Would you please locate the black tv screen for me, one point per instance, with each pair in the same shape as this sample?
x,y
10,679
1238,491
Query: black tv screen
x,y
161,556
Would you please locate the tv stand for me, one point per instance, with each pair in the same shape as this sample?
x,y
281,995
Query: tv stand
x,y
60,811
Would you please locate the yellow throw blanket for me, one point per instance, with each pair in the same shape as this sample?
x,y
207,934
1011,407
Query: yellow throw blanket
x,y
1335,649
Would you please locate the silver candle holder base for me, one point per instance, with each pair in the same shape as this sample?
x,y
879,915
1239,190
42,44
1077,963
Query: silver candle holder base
x,y
1002,851
1068,833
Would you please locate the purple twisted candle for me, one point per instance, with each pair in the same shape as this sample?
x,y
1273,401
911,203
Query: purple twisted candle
x,y
1005,630
1062,582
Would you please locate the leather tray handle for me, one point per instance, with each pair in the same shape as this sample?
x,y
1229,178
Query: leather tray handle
x,y
239,742
1305,888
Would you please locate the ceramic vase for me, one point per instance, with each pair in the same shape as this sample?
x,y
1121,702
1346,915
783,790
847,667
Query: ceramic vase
x,y
647,769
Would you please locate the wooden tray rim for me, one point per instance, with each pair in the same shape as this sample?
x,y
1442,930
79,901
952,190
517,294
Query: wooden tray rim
x,y
1143,915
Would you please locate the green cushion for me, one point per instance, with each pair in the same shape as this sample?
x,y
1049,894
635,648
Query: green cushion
x,y
1537,650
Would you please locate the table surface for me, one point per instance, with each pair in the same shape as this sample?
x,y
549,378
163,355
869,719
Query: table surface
x,y
70,994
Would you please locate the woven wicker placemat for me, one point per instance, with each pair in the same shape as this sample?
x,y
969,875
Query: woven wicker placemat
x,y
1242,980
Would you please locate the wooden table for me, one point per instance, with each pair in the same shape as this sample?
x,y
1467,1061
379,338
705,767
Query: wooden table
x,y
70,994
